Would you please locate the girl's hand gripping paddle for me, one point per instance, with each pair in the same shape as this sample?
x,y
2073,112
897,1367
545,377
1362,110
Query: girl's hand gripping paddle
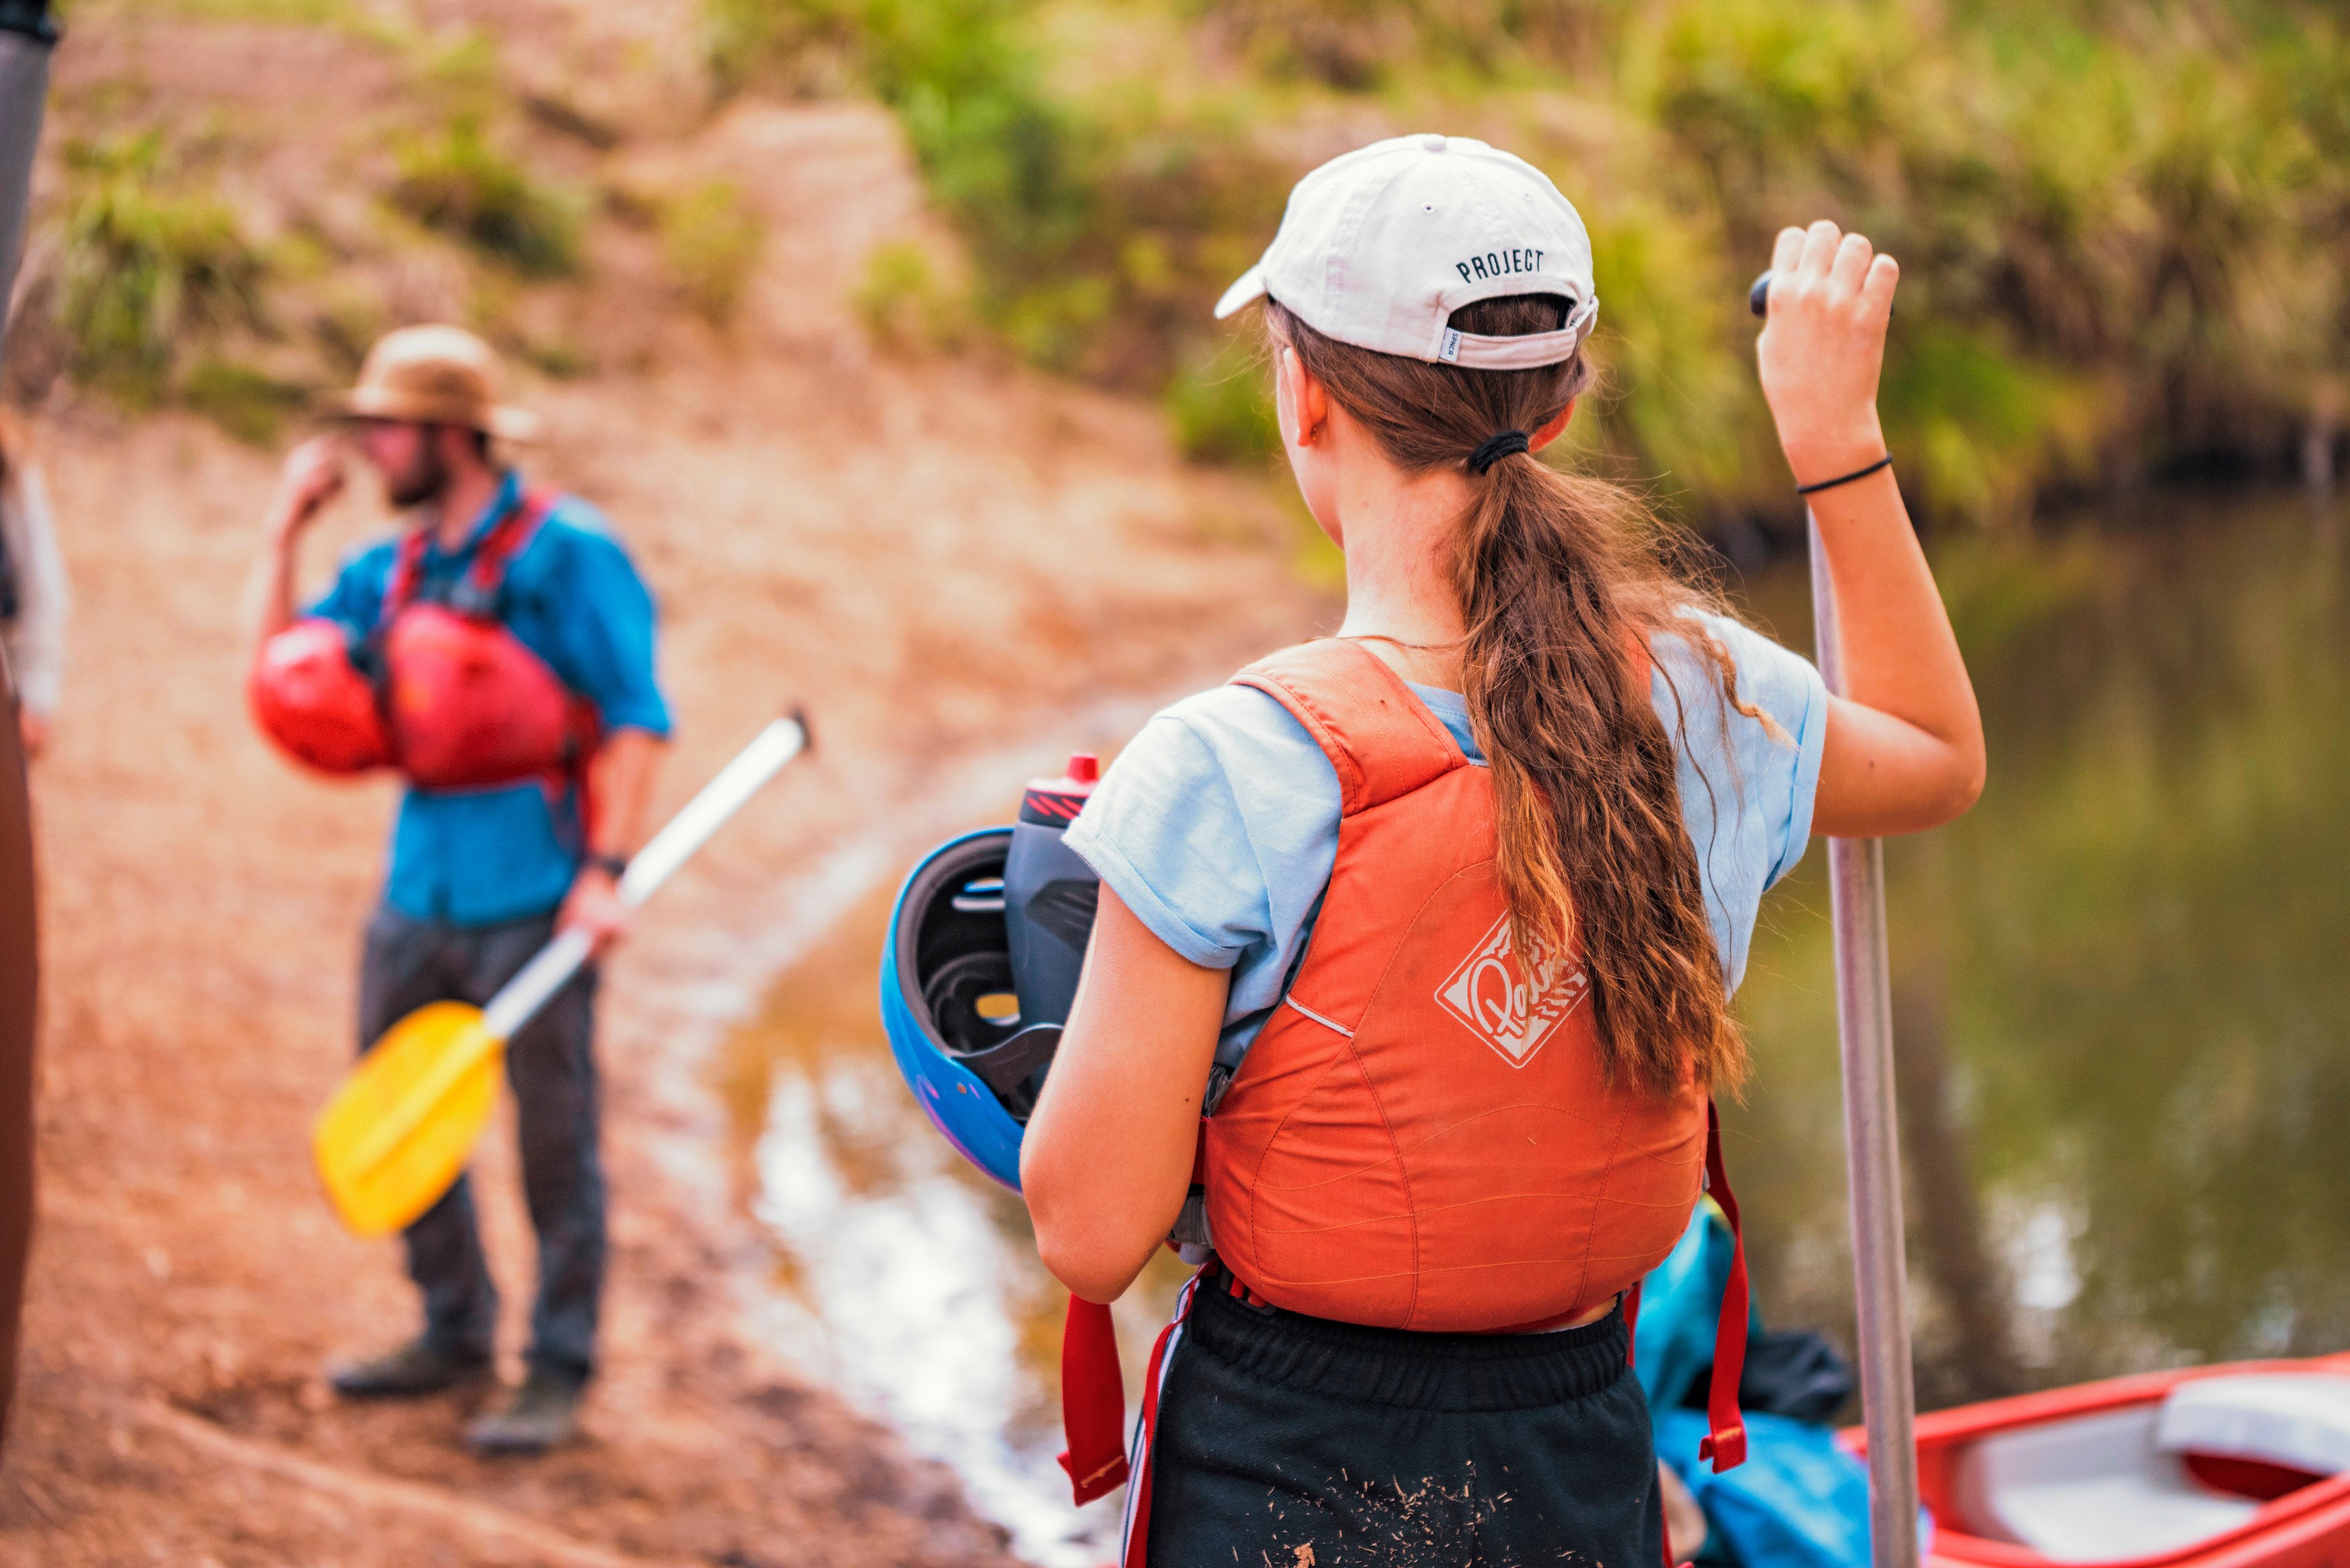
x,y
400,1128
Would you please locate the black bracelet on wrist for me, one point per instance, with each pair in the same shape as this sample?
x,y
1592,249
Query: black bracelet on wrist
x,y
1885,462
611,866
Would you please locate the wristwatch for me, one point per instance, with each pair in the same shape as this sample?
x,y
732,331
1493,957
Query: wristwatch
x,y
612,865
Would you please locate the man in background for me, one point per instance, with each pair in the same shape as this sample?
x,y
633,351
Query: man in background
x,y
480,879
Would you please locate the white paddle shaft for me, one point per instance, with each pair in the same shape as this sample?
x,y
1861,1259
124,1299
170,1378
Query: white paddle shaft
x,y
519,1000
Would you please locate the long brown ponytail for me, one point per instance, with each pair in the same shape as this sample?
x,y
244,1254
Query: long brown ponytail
x,y
1560,587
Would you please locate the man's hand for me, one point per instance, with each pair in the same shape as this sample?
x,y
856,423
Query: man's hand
x,y
620,781
33,730
313,475
594,906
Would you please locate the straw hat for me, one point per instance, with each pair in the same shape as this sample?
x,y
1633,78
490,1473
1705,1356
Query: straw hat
x,y
434,375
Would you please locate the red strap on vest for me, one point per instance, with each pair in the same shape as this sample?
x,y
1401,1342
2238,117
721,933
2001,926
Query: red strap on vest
x,y
518,528
1093,1386
1725,1441
1093,1401
405,568
504,543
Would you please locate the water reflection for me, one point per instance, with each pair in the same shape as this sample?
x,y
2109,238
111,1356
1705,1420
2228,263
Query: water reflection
x,y
2121,983
902,1275
2122,1006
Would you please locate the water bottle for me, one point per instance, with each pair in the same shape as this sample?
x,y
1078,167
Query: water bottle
x,y
1049,894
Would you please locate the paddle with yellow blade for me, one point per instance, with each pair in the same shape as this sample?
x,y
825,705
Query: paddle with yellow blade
x,y
399,1131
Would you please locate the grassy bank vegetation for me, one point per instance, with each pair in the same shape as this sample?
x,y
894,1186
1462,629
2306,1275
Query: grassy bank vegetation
x,y
164,270
2125,226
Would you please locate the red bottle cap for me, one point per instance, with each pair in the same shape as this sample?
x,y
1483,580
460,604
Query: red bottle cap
x,y
1055,803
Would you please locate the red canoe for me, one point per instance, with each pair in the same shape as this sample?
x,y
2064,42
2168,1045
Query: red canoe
x,y
2238,1465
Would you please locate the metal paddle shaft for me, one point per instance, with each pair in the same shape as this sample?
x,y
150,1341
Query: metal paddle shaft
x,y
1872,1148
519,1000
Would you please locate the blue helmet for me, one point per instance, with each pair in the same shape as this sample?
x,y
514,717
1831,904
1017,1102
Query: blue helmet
x,y
948,1003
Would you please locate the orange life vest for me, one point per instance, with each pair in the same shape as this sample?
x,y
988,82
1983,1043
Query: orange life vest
x,y
1419,1138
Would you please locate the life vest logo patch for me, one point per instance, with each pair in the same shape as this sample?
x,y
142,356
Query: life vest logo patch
x,y
1490,993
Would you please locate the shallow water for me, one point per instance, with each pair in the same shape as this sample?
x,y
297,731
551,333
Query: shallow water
x,y
902,1275
2122,1003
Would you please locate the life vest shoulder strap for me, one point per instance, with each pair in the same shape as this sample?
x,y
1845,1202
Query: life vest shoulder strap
x,y
511,537
407,570
512,533
1381,739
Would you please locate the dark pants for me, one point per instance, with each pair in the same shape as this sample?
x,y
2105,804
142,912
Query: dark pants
x,y
551,1063
1373,1446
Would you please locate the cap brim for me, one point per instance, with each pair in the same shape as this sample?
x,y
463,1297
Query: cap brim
x,y
1246,290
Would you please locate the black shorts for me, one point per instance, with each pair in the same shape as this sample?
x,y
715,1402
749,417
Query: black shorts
x,y
1371,1446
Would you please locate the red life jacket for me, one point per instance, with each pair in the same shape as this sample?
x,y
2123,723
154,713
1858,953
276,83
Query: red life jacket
x,y
468,703
307,695
1420,1139
460,702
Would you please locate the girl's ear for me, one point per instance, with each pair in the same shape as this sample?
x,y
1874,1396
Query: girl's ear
x,y
1301,397
1551,430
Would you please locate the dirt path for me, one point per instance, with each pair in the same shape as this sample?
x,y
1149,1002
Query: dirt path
x,y
937,555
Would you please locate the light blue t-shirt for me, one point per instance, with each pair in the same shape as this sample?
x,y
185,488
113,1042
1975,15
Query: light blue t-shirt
x,y
1218,826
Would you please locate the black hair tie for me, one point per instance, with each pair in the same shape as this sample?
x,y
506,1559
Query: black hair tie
x,y
1509,443
1815,488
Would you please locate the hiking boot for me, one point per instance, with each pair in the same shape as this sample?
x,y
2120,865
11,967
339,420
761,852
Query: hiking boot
x,y
416,1368
544,1413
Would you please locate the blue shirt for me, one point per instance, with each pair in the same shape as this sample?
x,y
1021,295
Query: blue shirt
x,y
476,858
1218,826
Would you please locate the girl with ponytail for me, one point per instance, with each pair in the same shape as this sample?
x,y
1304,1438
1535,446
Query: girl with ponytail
x,y
1410,981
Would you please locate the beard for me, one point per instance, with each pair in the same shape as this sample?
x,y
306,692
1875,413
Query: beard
x,y
422,480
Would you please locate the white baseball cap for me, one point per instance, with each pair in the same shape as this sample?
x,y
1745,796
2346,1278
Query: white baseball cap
x,y
1379,246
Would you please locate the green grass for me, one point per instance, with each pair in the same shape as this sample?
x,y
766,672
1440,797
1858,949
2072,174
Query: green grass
x,y
250,404
2125,229
1222,407
763,43
352,18
458,183
711,239
906,306
148,267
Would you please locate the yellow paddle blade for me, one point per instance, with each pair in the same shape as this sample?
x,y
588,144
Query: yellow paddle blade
x,y
399,1131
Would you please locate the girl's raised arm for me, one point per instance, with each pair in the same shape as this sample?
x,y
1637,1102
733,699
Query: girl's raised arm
x,y
1904,745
